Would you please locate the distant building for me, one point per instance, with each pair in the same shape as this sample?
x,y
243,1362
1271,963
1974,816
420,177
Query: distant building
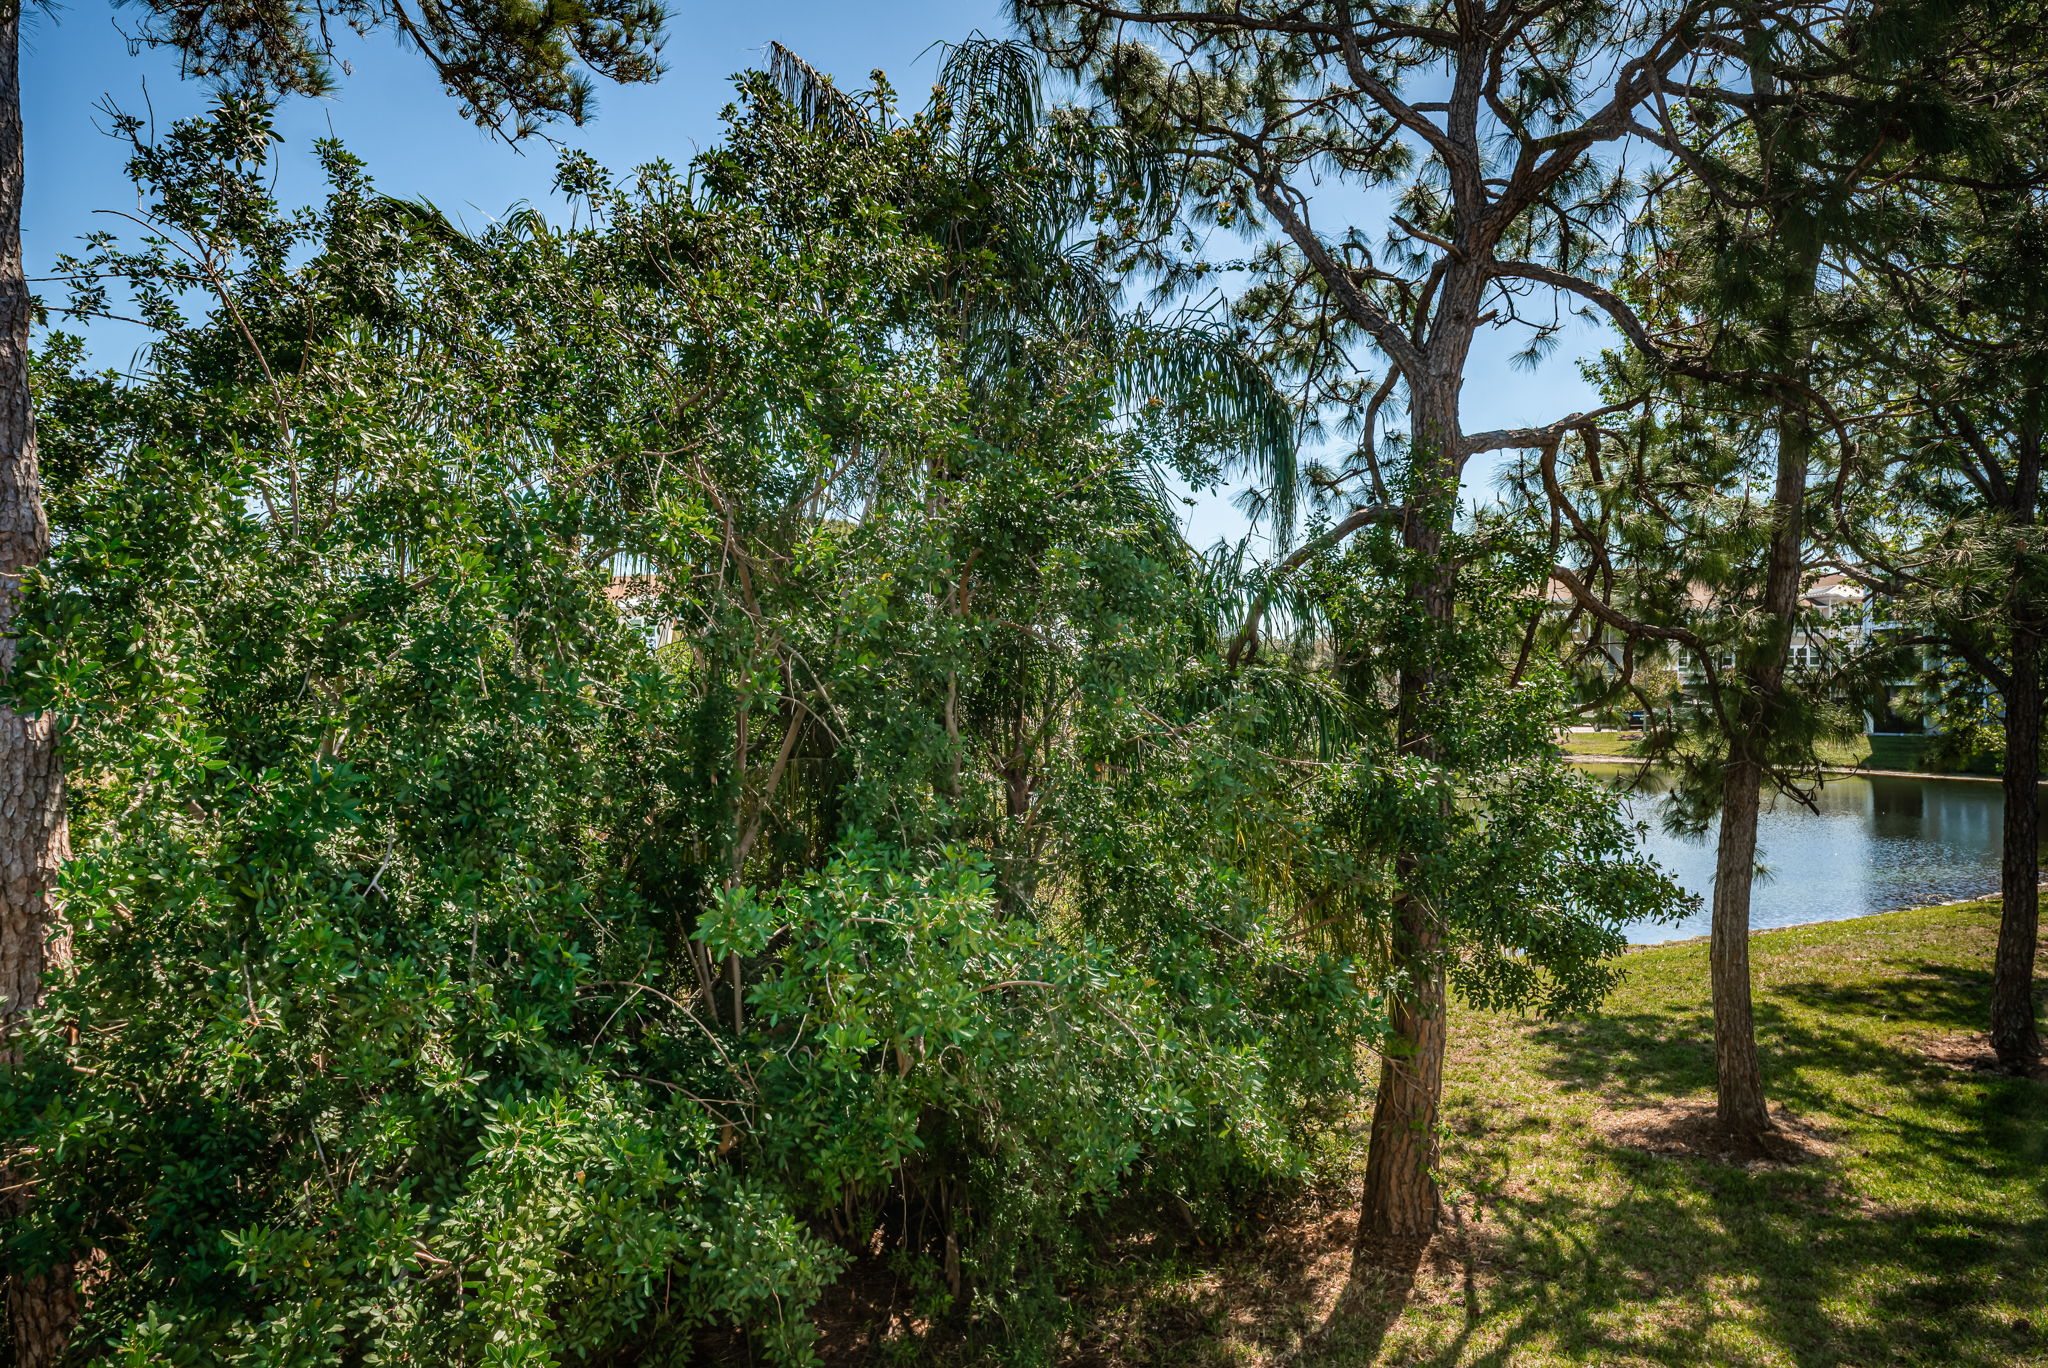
x,y
1841,619
637,599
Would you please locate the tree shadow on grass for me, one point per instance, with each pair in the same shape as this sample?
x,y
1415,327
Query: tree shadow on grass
x,y
1377,1289
1823,1283
1635,1256
1943,995
1817,1278
1917,1234
1807,1028
1827,1050
1829,1275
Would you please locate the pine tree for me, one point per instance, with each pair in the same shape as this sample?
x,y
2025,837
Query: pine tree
x,y
1943,512
1781,189
1483,127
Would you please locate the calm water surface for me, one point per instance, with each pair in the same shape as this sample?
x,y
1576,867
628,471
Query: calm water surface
x,y
1875,844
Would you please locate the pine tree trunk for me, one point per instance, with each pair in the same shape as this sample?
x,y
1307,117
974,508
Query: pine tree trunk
x,y
1738,1073
1400,1199
2015,1037
33,842
32,832
40,1314
1400,1167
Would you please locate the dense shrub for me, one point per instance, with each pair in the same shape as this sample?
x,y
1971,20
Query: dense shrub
x,y
467,971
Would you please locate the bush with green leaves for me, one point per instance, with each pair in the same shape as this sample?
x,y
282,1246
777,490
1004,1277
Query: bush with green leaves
x,y
617,770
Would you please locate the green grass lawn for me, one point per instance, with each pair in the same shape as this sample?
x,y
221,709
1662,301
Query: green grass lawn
x,y
1914,753
1583,1232
1911,753
1598,743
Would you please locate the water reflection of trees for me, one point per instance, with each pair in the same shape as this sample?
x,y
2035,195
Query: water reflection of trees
x,y
1867,844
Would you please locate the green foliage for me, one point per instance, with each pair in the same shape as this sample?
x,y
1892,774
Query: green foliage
x,y
1022,1077
1528,869
623,773
605,788
515,65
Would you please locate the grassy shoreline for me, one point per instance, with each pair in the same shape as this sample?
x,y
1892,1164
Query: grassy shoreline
x,y
1911,757
1592,1225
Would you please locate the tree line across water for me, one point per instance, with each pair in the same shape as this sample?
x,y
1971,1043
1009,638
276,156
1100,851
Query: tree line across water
x,y
573,782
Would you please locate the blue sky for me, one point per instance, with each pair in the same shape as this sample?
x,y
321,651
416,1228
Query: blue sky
x,y
390,111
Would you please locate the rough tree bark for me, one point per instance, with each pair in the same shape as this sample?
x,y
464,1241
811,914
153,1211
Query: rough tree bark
x,y
1738,1072
1400,1197
2015,1037
33,840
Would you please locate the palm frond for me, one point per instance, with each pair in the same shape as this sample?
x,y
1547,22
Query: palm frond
x,y
422,218
1207,373
821,105
991,89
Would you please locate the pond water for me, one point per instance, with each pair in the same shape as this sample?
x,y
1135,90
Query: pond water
x,y
1872,845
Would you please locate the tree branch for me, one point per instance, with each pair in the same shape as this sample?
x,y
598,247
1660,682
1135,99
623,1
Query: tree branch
x,y
1315,546
1518,438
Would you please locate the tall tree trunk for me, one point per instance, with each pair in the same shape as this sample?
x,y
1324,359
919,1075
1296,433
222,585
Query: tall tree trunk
x,y
2015,1038
1400,1169
33,842
1400,1198
2014,1035
1738,1072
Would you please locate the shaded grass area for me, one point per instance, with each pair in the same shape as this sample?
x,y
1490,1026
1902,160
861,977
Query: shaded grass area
x,y
1922,753
1916,1234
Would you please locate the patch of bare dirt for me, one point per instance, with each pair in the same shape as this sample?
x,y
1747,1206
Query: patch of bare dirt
x,y
1297,1292
1970,1052
1689,1127
1254,1301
